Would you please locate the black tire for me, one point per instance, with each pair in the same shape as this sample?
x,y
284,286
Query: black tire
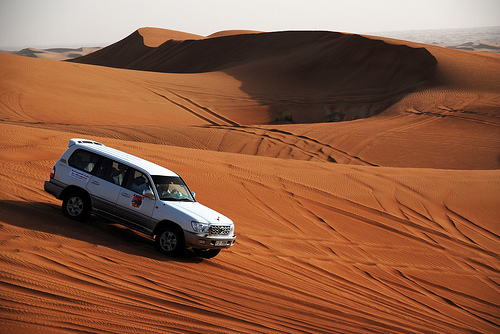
x,y
206,253
76,205
170,241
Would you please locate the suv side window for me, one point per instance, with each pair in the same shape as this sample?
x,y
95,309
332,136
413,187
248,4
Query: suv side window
x,y
83,160
112,171
137,181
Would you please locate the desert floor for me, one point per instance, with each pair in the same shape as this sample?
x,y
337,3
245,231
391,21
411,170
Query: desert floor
x,y
386,222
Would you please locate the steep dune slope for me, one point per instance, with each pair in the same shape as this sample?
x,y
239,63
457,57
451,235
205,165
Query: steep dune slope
x,y
320,69
119,53
136,45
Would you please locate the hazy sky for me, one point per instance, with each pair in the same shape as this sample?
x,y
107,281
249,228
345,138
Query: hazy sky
x,y
74,23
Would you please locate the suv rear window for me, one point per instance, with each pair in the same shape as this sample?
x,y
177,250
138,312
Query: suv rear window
x,y
83,160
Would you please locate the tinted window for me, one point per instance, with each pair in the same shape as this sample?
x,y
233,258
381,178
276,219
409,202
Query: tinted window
x,y
137,182
112,171
83,160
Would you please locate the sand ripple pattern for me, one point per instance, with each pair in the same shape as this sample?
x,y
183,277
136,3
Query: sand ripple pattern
x,y
369,250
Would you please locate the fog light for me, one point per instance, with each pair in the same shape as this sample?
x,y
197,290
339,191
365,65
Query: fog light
x,y
201,242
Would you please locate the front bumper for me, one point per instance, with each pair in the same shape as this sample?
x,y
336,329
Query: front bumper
x,y
204,241
53,188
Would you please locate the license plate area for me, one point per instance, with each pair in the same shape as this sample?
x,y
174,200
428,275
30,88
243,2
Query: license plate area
x,y
220,243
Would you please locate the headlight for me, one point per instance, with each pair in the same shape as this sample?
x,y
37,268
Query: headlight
x,y
200,227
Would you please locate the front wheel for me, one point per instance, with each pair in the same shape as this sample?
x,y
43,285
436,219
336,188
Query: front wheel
x,y
76,206
170,241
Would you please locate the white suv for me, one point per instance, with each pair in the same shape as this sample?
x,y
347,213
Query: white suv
x,y
91,177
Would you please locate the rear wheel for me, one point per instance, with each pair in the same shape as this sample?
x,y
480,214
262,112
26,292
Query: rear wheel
x,y
206,253
170,241
76,205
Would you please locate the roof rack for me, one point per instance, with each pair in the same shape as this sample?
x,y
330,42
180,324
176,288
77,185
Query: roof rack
x,y
74,141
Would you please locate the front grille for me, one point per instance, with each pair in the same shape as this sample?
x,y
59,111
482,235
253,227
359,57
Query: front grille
x,y
220,229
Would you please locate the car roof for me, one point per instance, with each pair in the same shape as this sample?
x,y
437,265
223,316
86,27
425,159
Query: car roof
x,y
120,156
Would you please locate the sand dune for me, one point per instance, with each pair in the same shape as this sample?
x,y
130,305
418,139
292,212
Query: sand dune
x,y
312,69
383,224
233,32
54,53
484,39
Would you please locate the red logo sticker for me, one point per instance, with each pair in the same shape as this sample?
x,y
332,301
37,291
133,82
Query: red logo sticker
x,y
136,201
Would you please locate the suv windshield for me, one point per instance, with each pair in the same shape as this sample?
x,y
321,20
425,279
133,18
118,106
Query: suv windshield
x,y
172,188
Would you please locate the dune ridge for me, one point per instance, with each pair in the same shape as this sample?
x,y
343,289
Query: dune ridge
x,y
383,224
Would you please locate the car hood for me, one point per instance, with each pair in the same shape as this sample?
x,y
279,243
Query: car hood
x,y
194,211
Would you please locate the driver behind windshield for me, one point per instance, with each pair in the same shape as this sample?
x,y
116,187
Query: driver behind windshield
x,y
173,189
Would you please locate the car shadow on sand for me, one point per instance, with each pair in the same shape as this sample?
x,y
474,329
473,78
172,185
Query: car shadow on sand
x,y
48,218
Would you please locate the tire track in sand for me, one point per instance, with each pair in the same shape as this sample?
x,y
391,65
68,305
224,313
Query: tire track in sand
x,y
195,109
323,151
308,146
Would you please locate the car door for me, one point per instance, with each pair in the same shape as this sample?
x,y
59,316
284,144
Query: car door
x,y
132,206
105,185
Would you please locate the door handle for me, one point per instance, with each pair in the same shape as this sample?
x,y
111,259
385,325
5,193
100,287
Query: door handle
x,y
95,182
125,195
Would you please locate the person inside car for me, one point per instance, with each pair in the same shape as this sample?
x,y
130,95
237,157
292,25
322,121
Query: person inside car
x,y
117,174
139,185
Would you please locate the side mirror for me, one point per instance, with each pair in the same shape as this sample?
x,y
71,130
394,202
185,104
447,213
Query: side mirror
x,y
148,193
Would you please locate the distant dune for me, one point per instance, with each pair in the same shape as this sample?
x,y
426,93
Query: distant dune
x,y
54,53
362,174
484,39
311,66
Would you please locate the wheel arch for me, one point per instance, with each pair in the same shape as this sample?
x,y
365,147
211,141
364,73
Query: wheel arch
x,y
164,224
72,189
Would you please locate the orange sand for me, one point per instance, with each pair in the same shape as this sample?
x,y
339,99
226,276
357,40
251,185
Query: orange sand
x,y
386,224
